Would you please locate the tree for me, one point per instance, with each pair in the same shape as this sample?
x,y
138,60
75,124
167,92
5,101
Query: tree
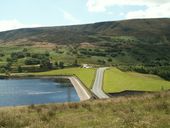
x,y
25,50
19,69
61,64
56,64
46,64
7,73
101,61
1,54
32,61
8,66
47,53
9,60
75,63
2,70
17,55
109,60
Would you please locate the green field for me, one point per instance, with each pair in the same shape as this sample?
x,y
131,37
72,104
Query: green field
x,y
65,53
85,75
147,111
34,49
117,81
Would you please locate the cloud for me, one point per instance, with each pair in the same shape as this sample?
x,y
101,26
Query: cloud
x,y
160,11
69,17
14,24
102,5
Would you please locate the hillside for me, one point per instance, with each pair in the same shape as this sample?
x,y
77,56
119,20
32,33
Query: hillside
x,y
143,29
141,45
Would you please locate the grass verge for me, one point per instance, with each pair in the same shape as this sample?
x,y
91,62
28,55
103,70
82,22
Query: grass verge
x,y
85,75
117,81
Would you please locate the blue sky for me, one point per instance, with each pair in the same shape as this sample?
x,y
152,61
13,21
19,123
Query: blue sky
x,y
34,13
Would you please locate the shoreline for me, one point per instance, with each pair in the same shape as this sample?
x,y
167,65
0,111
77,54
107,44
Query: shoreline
x,y
81,91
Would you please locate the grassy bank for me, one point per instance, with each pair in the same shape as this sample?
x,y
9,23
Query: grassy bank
x,y
116,81
85,75
147,111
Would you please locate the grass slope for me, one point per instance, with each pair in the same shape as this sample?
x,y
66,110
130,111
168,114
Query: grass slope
x,y
117,81
142,28
130,42
148,111
85,75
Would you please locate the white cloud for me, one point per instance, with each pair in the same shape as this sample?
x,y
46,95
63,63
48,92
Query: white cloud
x,y
101,5
159,11
69,17
14,24
110,13
154,8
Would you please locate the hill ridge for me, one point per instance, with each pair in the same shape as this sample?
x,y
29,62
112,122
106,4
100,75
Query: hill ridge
x,y
144,29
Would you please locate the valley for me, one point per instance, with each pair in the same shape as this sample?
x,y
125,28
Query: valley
x,y
123,68
131,45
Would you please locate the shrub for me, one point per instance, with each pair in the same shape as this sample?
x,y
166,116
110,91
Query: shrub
x,y
2,70
109,60
61,64
17,55
1,55
45,63
19,69
32,61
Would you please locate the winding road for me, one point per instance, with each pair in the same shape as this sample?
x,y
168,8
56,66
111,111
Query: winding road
x,y
98,84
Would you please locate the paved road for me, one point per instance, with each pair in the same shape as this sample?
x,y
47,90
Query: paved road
x,y
98,84
80,89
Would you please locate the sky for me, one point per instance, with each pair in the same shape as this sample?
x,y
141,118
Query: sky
x,y
16,14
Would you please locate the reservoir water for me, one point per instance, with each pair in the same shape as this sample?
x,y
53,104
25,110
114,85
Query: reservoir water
x,y
16,92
